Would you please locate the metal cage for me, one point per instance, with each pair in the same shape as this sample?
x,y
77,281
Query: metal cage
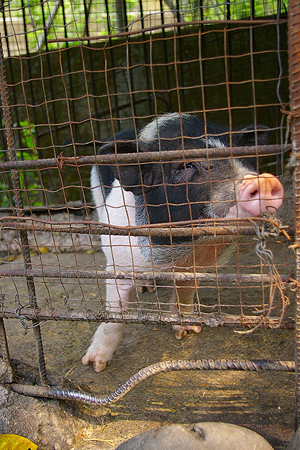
x,y
69,80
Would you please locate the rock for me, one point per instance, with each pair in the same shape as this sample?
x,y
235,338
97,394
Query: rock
x,y
200,436
4,394
6,373
294,444
44,422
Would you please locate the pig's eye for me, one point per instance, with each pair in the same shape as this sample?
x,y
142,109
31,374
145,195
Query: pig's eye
x,y
185,171
189,165
186,166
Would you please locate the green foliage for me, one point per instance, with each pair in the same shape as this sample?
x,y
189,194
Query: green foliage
x,y
72,16
4,196
69,20
29,180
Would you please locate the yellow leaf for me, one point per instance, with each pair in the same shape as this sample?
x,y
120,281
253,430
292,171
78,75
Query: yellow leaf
x,y
43,250
10,258
15,442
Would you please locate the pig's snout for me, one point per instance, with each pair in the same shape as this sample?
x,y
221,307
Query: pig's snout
x,y
258,194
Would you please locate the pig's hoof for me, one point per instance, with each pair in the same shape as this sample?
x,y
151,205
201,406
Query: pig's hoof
x,y
179,334
146,287
180,331
97,364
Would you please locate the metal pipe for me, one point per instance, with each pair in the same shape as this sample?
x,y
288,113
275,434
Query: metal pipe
x,y
212,320
158,276
145,157
101,229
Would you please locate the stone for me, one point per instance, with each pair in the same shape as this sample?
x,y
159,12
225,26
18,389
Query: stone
x,y
6,373
294,444
200,436
45,423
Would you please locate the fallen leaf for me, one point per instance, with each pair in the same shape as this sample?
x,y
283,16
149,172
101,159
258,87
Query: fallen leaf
x,y
15,442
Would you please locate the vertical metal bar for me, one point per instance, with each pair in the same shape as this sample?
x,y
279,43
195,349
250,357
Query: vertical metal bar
x,y
228,63
3,141
109,30
3,343
25,27
20,212
280,118
201,10
182,105
130,80
145,58
5,353
9,374
5,31
166,58
125,14
294,70
252,11
86,18
228,12
44,24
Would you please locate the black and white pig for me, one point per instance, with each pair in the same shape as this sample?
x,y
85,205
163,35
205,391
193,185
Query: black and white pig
x,y
139,194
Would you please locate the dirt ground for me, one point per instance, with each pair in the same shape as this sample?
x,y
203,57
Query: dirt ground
x,y
263,401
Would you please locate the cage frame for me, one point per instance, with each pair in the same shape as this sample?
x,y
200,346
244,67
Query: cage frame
x,y
22,224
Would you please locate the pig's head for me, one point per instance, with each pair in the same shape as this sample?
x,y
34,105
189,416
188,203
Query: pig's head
x,y
202,188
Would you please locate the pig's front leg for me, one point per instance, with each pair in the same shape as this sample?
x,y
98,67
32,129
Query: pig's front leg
x,y
108,335
182,300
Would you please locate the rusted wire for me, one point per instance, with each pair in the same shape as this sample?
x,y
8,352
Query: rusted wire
x,y
266,257
154,369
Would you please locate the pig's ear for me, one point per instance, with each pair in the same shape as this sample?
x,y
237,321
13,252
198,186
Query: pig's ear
x,y
251,135
129,175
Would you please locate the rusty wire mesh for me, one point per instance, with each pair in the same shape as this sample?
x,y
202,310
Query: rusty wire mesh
x,y
226,65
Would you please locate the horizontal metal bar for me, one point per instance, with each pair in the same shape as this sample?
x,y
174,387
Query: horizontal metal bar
x,y
201,227
158,276
164,26
145,157
211,320
110,230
